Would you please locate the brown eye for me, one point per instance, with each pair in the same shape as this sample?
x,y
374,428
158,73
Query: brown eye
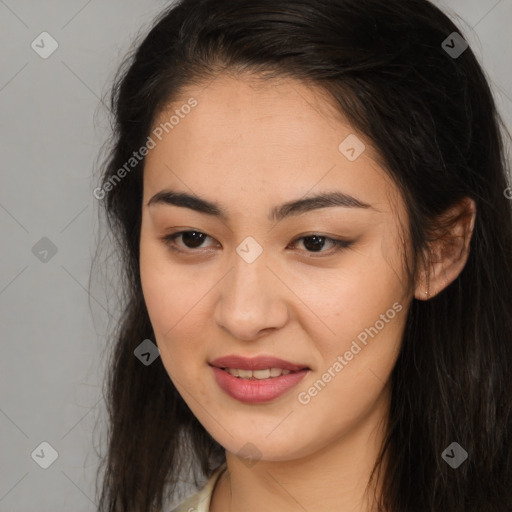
x,y
190,240
315,243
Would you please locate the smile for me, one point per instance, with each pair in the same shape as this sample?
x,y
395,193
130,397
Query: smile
x,y
259,386
256,374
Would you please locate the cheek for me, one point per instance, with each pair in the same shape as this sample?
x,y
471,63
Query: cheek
x,y
356,362
168,294
155,286
160,291
352,298
176,313
365,330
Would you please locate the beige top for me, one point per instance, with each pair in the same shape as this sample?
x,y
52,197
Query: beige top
x,y
200,501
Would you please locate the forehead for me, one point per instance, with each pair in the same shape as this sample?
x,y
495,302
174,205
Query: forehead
x,y
249,134
249,109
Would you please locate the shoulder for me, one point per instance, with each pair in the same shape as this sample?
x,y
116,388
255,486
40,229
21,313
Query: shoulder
x,y
200,501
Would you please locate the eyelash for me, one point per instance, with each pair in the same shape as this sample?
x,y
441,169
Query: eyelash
x,y
339,245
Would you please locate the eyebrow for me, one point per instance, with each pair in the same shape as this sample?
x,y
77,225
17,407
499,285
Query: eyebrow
x,y
278,213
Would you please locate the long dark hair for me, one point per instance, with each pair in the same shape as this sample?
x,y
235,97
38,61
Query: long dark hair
x,y
432,116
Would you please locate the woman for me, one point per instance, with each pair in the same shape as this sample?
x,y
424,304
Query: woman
x,y
310,204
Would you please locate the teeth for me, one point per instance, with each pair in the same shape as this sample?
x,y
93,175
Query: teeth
x,y
261,374
257,374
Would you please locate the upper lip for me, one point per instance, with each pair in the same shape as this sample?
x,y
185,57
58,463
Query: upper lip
x,y
255,363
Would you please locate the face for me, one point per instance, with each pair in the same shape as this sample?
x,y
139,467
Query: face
x,y
320,285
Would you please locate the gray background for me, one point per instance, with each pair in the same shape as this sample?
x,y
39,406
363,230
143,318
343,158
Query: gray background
x,y
53,319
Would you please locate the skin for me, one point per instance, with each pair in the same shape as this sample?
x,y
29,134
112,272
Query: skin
x,y
251,146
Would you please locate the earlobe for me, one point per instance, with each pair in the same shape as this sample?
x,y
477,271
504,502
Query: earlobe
x,y
449,250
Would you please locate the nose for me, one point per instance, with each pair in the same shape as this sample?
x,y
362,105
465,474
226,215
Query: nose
x,y
252,301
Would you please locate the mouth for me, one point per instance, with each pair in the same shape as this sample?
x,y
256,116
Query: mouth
x,y
267,373
260,367
258,379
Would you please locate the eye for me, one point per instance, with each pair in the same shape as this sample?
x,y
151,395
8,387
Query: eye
x,y
313,243
191,239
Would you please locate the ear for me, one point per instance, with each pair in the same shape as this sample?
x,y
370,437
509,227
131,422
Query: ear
x,y
448,251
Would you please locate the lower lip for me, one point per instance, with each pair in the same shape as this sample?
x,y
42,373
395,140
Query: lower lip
x,y
256,391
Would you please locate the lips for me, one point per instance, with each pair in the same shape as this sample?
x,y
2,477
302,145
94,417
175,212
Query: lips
x,y
256,363
260,388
